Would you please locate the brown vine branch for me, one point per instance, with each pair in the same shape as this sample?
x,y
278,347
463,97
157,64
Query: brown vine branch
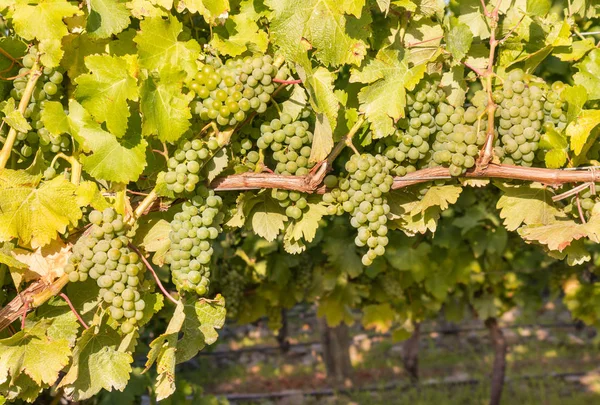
x,y
281,81
552,177
79,318
151,269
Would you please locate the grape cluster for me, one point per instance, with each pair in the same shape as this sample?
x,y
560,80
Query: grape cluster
x,y
521,115
48,87
587,201
228,92
186,163
290,142
362,195
410,146
391,286
460,136
192,230
244,146
555,107
304,276
104,255
233,284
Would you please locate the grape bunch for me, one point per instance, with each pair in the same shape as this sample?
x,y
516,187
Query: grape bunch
x,y
521,115
48,87
228,92
233,285
192,231
244,147
362,195
555,107
290,142
184,166
104,255
409,147
304,276
460,136
391,286
587,201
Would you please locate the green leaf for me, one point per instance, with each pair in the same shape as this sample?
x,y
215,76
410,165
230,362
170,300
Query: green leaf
x,y
120,160
576,51
54,118
210,9
384,99
458,41
322,25
97,364
106,89
338,254
240,33
43,20
165,108
576,97
559,235
422,40
33,352
107,18
295,103
158,46
216,165
471,14
589,74
14,117
538,7
35,213
379,317
580,129
306,227
267,217
529,204
557,146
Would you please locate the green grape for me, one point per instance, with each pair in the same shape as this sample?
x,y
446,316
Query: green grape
x,y
190,256
107,247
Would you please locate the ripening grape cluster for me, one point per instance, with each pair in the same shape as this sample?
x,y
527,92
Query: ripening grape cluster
x,y
460,136
290,141
184,166
244,146
304,276
103,254
192,231
521,116
555,108
362,195
227,93
48,87
587,201
409,147
233,284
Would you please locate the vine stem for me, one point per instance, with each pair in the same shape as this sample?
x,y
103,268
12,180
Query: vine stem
x,y
75,166
149,267
552,177
36,72
79,318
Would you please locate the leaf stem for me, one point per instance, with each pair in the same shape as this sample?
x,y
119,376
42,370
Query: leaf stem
x,y
36,72
79,318
143,206
298,81
9,56
149,267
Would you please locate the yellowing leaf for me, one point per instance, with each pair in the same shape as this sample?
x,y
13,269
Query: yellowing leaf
x,y
35,213
579,130
379,317
529,204
46,262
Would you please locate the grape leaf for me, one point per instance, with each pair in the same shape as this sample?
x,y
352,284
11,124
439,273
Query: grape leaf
x,y
54,118
454,85
295,103
589,74
471,15
107,18
438,196
384,99
267,217
322,25
559,235
322,142
35,213
120,160
106,89
216,165
43,20
141,9
89,194
580,129
529,204
336,307
338,254
306,227
379,317
14,117
158,46
77,47
458,41
7,258
209,9
45,263
557,146
33,352
165,109
240,34
576,51
422,39
97,364
576,97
